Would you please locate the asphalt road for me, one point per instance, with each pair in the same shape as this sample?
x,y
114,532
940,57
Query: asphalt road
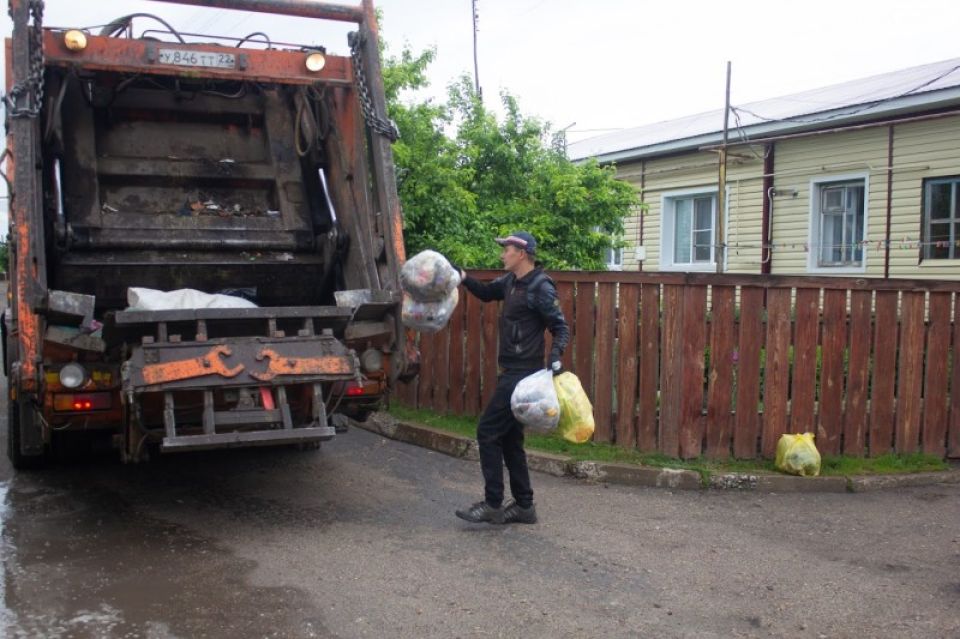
x,y
359,540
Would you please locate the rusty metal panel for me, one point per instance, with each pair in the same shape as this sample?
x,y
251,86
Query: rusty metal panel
x,y
252,438
26,211
237,362
127,55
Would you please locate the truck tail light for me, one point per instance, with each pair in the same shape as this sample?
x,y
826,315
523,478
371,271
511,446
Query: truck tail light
x,y
355,389
81,403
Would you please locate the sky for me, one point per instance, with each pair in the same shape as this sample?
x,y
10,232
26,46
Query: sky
x,y
601,65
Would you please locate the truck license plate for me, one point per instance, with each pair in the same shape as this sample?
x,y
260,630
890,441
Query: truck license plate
x,y
187,58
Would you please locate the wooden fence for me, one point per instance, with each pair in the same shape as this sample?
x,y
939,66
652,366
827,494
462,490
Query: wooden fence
x,y
721,365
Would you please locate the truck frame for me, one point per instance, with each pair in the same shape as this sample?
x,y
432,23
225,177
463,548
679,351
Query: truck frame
x,y
172,161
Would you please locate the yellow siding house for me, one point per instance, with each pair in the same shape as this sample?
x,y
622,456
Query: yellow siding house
x,y
864,183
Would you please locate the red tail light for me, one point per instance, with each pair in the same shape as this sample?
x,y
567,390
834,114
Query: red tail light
x,y
70,403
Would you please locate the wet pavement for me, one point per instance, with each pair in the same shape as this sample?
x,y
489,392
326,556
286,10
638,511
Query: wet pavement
x,y
359,540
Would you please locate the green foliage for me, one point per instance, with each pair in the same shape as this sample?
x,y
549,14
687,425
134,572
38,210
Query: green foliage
x,y
466,176
4,255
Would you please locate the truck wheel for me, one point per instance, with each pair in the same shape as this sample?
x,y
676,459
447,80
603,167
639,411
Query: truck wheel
x,y
17,417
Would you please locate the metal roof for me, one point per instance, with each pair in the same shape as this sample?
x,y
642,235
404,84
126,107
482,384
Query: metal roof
x,y
915,88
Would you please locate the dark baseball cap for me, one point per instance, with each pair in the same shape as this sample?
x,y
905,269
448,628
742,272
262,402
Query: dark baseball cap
x,y
520,239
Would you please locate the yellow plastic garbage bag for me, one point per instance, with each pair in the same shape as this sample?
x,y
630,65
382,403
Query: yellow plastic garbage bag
x,y
797,454
576,413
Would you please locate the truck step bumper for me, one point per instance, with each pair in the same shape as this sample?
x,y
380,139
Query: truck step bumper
x,y
251,438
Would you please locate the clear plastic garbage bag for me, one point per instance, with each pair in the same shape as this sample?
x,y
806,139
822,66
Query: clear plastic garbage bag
x,y
428,317
148,299
429,277
534,401
576,412
797,454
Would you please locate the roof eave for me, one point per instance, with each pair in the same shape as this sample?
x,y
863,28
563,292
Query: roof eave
x,y
928,100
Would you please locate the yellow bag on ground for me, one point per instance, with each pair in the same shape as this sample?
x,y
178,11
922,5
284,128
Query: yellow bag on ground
x,y
797,454
576,412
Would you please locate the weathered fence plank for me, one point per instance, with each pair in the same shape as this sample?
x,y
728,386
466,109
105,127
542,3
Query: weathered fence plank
x,y
457,368
672,357
474,351
649,391
953,436
694,339
804,390
441,371
627,329
935,380
720,377
489,372
603,391
861,334
884,373
777,374
748,373
425,387
583,363
910,370
832,347
565,291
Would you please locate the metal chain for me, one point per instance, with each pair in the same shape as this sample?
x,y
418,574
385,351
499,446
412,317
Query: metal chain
x,y
383,126
32,86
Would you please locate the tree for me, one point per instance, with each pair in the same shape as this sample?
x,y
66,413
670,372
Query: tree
x,y
465,176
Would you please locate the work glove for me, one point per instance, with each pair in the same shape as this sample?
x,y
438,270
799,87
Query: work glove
x,y
556,366
459,269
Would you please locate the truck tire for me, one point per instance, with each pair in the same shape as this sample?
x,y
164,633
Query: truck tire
x,y
17,417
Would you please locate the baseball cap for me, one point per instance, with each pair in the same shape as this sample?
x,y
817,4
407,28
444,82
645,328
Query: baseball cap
x,y
520,239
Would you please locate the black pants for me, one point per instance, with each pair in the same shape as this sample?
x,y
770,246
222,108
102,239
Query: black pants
x,y
500,437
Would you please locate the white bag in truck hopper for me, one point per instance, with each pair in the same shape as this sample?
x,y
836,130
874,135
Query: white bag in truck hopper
x,y
429,277
148,299
428,317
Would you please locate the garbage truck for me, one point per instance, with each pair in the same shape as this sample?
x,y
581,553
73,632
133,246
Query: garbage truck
x,y
142,156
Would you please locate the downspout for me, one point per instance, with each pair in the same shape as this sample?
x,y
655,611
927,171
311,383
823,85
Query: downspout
x,y
886,253
766,253
643,188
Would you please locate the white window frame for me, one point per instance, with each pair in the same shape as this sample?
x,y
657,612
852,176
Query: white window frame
x,y
667,230
613,258
813,237
954,182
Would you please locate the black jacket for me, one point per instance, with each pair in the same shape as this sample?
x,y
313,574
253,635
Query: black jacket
x,y
530,305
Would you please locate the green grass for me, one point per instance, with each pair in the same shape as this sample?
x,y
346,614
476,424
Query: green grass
x,y
831,465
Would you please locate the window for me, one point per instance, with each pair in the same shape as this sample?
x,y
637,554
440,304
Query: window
x,y
941,218
687,239
838,225
613,259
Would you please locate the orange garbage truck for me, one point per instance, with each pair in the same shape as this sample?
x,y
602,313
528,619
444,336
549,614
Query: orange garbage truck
x,y
205,236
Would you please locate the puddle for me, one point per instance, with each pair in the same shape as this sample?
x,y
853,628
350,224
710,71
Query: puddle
x,y
82,561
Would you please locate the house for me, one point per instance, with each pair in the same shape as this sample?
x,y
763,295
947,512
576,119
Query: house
x,y
856,179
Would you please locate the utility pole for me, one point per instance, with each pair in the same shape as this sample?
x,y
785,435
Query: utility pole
x,y
476,66
563,136
720,247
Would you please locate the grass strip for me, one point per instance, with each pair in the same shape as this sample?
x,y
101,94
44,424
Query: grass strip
x,y
832,465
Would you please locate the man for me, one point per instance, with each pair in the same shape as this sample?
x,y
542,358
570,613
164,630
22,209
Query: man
x,y
530,305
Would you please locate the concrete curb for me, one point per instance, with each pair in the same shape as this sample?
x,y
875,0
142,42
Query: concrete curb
x,y
631,475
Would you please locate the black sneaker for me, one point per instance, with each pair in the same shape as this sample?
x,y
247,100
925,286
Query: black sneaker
x,y
481,512
514,513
